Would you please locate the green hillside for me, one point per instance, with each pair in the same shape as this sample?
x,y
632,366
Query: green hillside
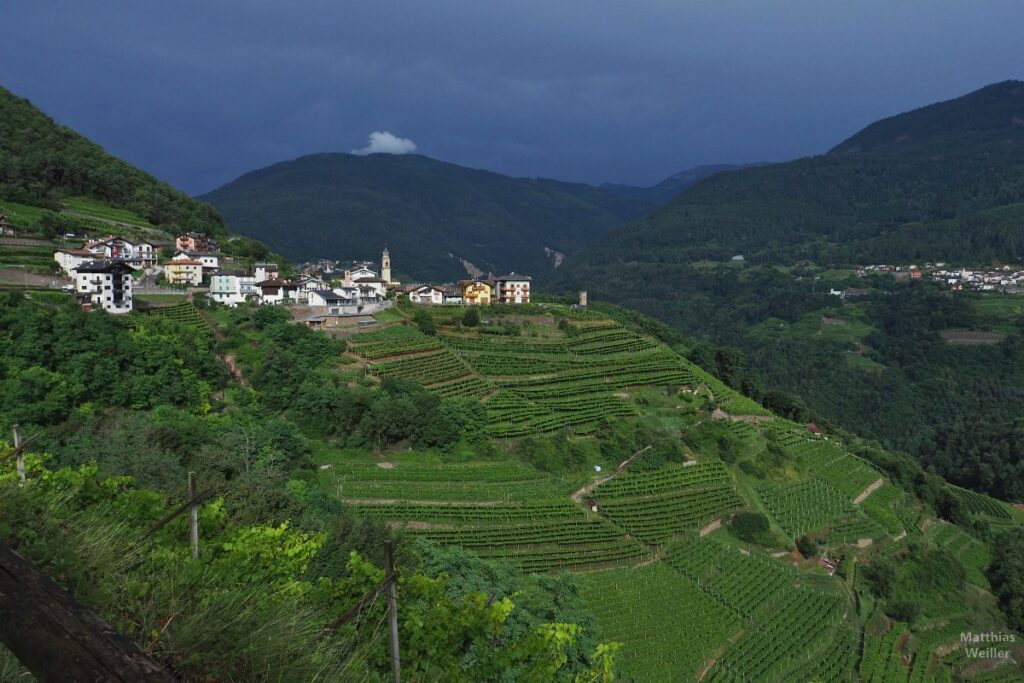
x,y
432,214
943,183
476,446
43,164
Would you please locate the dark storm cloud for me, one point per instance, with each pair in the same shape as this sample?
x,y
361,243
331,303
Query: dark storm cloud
x,y
593,90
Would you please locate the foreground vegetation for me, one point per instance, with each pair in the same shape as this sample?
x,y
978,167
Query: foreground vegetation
x,y
699,556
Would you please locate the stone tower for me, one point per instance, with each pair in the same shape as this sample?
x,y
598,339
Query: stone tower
x,y
583,299
385,265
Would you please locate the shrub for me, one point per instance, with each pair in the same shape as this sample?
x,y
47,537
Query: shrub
x,y
752,527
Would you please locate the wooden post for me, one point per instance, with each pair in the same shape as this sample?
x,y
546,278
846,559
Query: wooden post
x,y
21,456
58,639
389,568
193,516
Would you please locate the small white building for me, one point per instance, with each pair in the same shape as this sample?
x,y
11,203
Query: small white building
x,y
209,260
266,271
70,259
276,291
426,294
105,285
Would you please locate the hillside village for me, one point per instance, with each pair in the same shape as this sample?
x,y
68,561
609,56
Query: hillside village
x,y
104,271
1008,279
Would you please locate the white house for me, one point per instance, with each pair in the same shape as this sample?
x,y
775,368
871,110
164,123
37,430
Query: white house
x,y
276,291
374,284
328,298
70,259
357,271
139,254
106,285
266,271
512,288
307,284
144,255
231,288
209,260
426,295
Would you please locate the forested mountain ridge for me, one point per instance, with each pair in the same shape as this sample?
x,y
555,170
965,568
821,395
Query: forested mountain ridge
x,y
42,163
953,190
993,108
432,214
942,183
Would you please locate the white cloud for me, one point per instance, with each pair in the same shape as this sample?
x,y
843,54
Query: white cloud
x,y
383,142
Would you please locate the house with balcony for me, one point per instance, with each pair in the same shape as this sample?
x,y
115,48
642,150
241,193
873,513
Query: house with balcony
x,y
137,254
105,285
512,288
184,271
232,287
476,292
196,242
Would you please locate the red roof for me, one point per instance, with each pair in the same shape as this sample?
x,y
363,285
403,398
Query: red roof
x,y
813,428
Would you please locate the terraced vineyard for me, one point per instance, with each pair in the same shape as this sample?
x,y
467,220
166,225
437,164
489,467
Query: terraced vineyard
x,y
746,584
500,510
574,377
654,506
550,383
669,628
974,554
686,607
395,340
183,313
790,637
805,506
711,609
403,352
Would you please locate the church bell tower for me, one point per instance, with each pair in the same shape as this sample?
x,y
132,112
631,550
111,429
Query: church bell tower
x,y
385,266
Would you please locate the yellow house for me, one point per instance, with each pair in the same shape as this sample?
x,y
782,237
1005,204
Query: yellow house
x,y
184,272
476,292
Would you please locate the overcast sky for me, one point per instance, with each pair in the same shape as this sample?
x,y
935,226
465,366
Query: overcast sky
x,y
198,92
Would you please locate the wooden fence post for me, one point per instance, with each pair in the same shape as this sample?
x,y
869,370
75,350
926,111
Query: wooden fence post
x,y
389,569
56,638
193,515
20,456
